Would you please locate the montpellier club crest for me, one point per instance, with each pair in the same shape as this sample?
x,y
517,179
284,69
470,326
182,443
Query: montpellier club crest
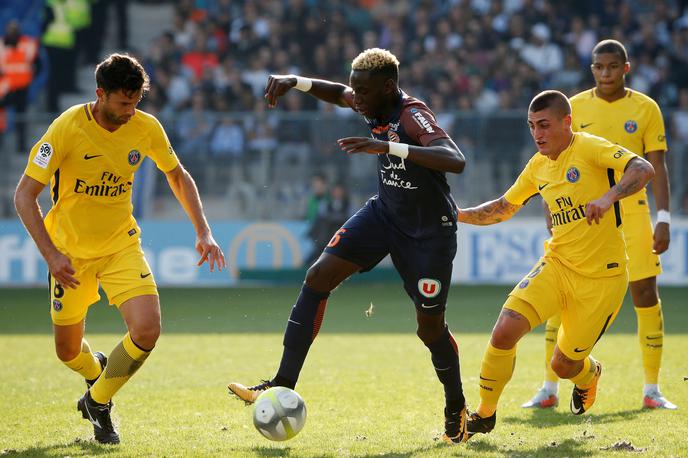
x,y
429,287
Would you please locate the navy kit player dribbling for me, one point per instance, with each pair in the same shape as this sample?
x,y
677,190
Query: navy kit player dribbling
x,y
413,219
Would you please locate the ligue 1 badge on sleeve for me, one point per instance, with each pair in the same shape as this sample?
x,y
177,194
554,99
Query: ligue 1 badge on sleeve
x,y
134,157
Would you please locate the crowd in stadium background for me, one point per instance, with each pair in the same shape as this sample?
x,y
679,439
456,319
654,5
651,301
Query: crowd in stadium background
x,y
476,62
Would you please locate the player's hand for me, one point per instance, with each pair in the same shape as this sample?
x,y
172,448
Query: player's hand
x,y
61,269
661,238
368,145
210,251
596,209
277,86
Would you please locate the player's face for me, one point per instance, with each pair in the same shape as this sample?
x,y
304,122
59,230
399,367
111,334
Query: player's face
x,y
369,93
609,70
118,107
551,131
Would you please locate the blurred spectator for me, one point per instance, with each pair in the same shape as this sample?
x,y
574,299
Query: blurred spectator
x,y
17,56
194,127
227,139
540,53
315,207
59,41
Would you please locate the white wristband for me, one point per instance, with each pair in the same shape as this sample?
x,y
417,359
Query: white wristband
x,y
398,149
303,84
663,216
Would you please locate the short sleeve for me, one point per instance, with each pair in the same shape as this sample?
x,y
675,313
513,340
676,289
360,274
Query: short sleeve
x,y
523,188
161,150
614,157
420,125
46,155
654,138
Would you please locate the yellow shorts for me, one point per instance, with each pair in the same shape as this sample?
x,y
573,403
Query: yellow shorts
x,y
638,233
122,275
587,305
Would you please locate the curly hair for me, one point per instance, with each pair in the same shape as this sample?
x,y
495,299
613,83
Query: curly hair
x,y
376,60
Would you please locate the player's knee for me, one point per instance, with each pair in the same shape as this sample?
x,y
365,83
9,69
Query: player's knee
x,y
563,367
503,337
67,351
145,336
430,328
319,279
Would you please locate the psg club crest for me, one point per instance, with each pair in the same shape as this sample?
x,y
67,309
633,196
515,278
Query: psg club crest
x,y
572,175
630,126
429,287
57,305
134,157
523,284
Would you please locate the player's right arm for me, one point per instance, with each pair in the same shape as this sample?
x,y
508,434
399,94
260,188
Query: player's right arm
x,y
26,203
327,91
492,212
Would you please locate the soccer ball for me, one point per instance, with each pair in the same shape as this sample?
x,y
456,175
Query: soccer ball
x,y
279,413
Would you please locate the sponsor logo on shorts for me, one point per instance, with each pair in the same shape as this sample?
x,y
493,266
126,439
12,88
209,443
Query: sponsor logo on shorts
x,y
429,287
572,175
57,305
134,157
43,155
131,232
612,265
524,283
630,126
578,350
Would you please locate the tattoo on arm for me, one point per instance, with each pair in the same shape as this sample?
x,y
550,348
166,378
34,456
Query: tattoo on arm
x,y
635,177
491,212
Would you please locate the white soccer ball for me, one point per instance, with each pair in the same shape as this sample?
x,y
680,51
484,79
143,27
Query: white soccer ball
x,y
279,413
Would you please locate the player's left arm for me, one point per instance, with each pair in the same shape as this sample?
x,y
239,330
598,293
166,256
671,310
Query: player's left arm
x,y
637,173
440,154
662,193
186,192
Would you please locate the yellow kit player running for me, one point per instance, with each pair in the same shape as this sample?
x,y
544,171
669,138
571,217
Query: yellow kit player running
x,y
634,121
90,238
582,275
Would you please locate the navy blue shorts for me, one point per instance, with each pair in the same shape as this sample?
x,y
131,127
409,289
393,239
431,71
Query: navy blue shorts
x,y
425,265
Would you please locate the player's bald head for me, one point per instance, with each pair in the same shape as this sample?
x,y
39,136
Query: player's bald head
x,y
610,47
378,62
554,100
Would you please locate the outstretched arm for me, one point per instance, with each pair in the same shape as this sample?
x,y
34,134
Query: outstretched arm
x,y
441,154
660,189
186,192
636,175
26,203
492,212
327,91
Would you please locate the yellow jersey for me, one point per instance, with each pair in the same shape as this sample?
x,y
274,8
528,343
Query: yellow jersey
x,y
91,174
583,172
634,122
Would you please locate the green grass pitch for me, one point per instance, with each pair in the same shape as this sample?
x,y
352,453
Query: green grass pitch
x,y
368,382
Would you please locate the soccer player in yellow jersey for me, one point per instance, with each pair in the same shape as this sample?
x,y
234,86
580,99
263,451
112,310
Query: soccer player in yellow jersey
x,y
582,274
89,238
634,121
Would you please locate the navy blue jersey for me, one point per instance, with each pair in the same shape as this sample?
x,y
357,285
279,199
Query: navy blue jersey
x,y
414,199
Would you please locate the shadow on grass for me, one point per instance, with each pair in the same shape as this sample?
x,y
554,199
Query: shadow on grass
x,y
540,418
564,448
84,447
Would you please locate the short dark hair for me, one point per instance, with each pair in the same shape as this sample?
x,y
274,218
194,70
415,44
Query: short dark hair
x,y
122,71
611,47
550,99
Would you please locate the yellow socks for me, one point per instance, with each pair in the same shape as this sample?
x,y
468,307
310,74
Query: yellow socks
x,y
495,372
123,362
85,363
651,337
551,331
585,376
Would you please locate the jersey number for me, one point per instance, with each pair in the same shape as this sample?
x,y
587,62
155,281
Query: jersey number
x,y
335,238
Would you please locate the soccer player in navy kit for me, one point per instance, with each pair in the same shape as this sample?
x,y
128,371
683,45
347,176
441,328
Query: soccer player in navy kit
x,y
413,219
